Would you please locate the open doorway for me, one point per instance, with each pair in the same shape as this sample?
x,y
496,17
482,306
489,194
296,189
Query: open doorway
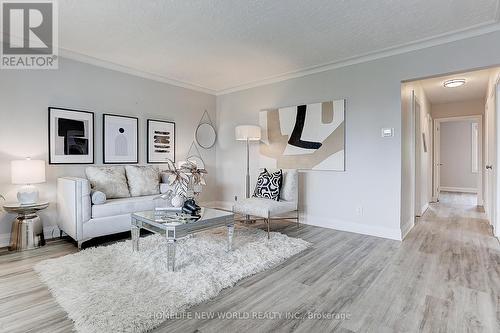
x,y
458,156
449,143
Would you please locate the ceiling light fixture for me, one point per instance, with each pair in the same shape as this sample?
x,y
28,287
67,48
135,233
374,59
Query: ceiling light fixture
x,y
454,83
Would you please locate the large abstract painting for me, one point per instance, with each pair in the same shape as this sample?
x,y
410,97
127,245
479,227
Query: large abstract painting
x,y
308,137
71,136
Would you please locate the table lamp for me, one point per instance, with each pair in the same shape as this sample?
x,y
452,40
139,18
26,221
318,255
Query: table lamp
x,y
27,172
247,133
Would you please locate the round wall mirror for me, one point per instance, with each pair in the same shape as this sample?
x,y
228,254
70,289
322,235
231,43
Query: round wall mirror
x,y
196,160
206,135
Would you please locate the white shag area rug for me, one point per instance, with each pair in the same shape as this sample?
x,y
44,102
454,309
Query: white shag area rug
x,y
112,289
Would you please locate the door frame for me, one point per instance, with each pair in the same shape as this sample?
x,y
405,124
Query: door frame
x,y
436,188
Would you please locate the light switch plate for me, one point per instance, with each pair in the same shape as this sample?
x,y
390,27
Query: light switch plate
x,y
387,132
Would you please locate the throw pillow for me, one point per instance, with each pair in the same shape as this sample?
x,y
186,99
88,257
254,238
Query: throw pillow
x,y
109,180
269,185
97,197
143,180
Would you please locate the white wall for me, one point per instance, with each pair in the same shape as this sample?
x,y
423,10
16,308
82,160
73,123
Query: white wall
x,y
376,174
458,109
25,96
456,156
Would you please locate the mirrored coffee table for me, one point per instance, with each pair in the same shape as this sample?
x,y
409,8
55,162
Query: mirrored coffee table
x,y
174,225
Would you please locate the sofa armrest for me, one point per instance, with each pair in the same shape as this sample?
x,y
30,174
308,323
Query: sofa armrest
x,y
73,205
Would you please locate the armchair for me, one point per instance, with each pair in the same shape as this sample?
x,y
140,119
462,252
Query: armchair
x,y
268,209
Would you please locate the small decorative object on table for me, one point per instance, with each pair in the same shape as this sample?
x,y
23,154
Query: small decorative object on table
x,y
190,207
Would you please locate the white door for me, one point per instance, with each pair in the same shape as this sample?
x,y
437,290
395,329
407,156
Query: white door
x,y
490,149
437,161
418,160
495,221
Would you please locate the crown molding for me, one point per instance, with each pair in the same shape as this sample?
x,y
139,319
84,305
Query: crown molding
x,y
485,28
135,72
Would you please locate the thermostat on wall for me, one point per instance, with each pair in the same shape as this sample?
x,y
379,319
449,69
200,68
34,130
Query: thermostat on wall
x,y
387,132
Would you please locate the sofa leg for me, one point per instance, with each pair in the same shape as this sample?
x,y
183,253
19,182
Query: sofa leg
x,y
80,243
298,219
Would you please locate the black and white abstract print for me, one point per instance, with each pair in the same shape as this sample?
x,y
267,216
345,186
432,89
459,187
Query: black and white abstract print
x,y
269,185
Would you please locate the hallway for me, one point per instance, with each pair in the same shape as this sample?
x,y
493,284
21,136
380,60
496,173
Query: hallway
x,y
445,276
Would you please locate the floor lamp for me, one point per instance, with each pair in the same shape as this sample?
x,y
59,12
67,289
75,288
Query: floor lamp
x,y
247,133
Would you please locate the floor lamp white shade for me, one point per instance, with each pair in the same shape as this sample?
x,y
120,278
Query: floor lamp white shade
x,y
247,132
27,172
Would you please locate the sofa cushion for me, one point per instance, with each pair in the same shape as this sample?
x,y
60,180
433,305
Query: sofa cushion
x,y
143,180
263,207
123,206
110,180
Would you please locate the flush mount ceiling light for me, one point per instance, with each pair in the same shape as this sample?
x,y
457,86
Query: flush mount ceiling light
x,y
454,83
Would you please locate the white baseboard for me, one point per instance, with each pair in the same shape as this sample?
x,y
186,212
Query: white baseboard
x,y
458,189
357,228
406,228
423,209
49,232
325,222
224,205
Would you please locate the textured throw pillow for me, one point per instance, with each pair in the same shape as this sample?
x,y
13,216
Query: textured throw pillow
x,y
289,185
143,180
109,180
269,185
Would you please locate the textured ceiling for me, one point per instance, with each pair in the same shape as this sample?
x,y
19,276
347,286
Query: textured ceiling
x,y
475,87
220,44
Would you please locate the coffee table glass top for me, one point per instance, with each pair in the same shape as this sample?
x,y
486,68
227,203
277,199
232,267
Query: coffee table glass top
x,y
175,217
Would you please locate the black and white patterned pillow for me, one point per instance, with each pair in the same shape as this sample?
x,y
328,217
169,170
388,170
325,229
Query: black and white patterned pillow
x,y
269,185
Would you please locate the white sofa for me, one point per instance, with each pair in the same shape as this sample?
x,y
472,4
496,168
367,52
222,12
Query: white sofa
x,y
82,220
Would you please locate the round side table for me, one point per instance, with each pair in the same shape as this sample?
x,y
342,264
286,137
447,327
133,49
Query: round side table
x,y
27,228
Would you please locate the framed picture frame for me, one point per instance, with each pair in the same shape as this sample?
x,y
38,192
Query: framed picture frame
x,y
71,136
161,141
120,139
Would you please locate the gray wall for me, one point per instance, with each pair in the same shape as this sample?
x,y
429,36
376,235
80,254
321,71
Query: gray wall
x,y
25,96
378,175
456,155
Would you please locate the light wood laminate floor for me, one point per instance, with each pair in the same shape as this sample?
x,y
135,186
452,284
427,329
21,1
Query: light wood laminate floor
x,y
444,277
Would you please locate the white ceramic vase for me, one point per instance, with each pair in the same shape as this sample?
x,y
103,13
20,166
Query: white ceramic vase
x,y
177,201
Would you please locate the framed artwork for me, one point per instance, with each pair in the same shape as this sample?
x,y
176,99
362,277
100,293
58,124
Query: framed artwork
x,y
71,136
161,141
307,137
120,139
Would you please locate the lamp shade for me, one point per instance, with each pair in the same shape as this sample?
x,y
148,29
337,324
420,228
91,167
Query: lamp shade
x,y
247,132
27,171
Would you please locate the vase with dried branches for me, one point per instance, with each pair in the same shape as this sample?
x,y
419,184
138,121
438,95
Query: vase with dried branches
x,y
187,181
